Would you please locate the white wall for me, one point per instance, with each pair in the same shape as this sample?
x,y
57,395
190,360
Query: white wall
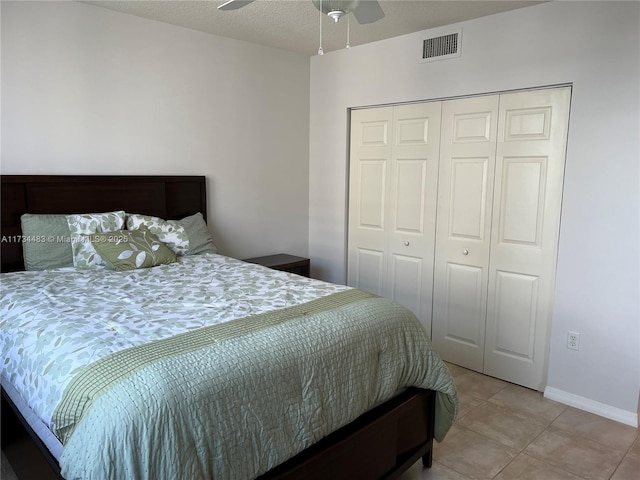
x,y
596,47
91,91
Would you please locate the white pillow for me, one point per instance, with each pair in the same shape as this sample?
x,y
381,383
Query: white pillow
x,y
84,255
169,232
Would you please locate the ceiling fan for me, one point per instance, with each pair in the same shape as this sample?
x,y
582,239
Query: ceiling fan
x,y
365,11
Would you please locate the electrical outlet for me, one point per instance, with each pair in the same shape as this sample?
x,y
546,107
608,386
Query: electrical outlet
x,y
573,341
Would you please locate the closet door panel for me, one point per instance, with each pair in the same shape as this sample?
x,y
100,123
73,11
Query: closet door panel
x,y
465,195
369,270
411,177
369,170
468,198
406,281
521,212
526,216
465,288
412,207
516,296
372,178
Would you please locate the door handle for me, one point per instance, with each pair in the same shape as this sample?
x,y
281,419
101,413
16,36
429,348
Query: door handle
x,y
465,252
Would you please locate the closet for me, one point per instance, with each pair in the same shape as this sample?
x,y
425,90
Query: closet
x,y
454,211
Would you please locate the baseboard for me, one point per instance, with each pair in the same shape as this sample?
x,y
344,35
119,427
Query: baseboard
x,y
591,406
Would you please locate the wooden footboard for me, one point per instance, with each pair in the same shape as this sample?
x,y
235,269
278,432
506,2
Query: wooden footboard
x,y
382,443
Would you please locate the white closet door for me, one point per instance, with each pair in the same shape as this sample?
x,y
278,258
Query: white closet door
x,y
369,171
524,235
393,177
412,207
465,192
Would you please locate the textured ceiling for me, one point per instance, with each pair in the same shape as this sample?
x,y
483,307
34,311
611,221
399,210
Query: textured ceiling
x,y
294,24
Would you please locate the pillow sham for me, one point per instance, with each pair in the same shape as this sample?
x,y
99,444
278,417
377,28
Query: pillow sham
x,y
84,254
169,232
46,242
199,239
124,250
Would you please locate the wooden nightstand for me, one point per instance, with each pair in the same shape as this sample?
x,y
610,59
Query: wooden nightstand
x,y
284,262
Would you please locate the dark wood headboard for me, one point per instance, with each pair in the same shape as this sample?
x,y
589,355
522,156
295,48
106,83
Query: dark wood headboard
x,y
168,197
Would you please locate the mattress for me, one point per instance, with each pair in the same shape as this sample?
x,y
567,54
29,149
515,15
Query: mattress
x,y
37,425
116,363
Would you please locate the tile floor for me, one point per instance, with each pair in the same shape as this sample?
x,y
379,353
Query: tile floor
x,y
505,432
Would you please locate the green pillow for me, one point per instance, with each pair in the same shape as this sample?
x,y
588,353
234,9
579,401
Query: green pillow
x,y
169,232
199,239
130,249
188,236
84,255
47,243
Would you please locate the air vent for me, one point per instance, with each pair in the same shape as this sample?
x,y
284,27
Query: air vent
x,y
442,47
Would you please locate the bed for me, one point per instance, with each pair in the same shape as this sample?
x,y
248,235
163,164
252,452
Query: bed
x,y
312,380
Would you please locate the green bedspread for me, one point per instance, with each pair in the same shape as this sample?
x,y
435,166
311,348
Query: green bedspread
x,y
233,400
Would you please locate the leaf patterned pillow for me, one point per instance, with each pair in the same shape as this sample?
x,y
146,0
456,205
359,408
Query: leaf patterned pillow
x,y
170,232
127,250
84,254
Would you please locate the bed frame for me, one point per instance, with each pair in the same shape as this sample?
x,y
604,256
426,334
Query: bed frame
x,y
382,443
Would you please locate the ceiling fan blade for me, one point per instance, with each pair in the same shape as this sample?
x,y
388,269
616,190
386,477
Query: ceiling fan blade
x,y
234,4
368,11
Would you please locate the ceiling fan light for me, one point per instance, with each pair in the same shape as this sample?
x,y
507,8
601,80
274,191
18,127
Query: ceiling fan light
x,y
336,9
336,15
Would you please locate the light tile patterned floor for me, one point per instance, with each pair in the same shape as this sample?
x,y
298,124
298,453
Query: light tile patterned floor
x,y
507,432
